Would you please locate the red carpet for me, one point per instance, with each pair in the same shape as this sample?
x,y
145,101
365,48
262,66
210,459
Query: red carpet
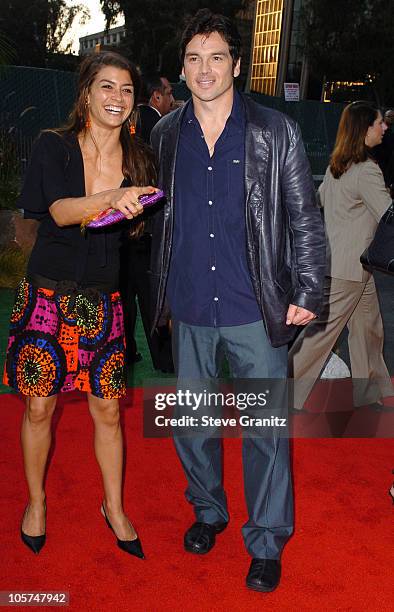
x,y
341,557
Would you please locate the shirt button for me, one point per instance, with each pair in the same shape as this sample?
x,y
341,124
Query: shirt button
x,y
210,202
215,299
212,235
213,268
209,168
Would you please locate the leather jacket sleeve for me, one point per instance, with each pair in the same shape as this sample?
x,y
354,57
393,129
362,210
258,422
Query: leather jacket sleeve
x,y
306,227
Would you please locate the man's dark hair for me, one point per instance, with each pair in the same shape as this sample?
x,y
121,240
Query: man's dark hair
x,y
150,83
206,22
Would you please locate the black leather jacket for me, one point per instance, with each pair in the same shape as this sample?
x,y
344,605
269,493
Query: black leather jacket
x,y
284,229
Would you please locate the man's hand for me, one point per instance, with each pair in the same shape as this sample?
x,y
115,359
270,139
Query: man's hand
x,y
299,316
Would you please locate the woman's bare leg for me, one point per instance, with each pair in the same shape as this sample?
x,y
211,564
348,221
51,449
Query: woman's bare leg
x,y
36,441
108,445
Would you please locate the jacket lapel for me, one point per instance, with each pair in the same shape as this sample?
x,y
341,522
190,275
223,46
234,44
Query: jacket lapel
x,y
170,140
257,152
257,156
169,151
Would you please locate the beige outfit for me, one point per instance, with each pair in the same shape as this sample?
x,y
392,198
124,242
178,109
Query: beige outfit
x,y
353,205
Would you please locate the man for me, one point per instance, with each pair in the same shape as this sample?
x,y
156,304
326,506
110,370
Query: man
x,y
136,253
241,259
158,102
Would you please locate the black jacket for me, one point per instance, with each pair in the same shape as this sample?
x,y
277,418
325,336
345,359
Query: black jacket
x,y
146,120
284,229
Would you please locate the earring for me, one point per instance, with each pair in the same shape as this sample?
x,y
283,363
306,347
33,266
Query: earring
x,y
88,123
131,127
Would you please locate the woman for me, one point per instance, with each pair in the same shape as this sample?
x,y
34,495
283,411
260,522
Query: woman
x,y
354,198
67,323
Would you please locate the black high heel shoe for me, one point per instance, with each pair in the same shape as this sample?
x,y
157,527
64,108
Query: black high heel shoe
x,y
133,547
35,543
391,491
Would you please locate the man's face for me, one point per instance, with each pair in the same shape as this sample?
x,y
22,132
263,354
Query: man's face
x,y
208,66
164,99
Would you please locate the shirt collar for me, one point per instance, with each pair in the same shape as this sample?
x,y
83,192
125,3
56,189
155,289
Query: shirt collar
x,y
155,109
237,116
152,107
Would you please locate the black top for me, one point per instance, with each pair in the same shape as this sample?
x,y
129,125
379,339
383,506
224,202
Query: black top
x,y
63,253
384,155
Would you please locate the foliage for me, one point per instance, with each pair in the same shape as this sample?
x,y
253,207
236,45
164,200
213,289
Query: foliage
x,y
7,51
67,62
25,23
37,27
13,263
9,170
154,28
61,17
351,41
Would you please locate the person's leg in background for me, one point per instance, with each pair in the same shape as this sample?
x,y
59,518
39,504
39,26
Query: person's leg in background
x,y
135,284
128,290
371,379
312,346
159,343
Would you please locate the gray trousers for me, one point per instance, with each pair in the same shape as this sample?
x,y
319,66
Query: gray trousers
x,y
198,354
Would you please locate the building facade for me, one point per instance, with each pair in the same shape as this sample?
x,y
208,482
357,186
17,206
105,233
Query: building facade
x,y
110,38
277,55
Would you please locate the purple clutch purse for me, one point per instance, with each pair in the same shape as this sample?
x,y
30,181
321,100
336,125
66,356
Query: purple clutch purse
x,y
110,216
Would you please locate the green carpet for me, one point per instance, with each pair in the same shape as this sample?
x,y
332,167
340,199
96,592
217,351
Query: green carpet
x,y
137,376
6,302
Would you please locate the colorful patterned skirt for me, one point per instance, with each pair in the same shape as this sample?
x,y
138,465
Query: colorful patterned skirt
x,y
64,341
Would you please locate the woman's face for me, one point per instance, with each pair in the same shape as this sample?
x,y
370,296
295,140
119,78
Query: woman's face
x,y
111,97
375,132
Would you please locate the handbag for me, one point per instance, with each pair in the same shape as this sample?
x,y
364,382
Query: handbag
x,y
380,253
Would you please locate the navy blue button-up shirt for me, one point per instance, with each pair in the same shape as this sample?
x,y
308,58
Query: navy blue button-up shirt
x,y
209,281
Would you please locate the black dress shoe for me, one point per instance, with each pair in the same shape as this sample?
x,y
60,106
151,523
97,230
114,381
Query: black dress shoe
x,y
35,543
264,575
133,547
201,537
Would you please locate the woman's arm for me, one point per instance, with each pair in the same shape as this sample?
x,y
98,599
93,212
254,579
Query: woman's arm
x,y
321,192
71,211
372,189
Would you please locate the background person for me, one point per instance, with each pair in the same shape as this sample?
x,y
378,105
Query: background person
x,y
67,323
384,152
136,252
157,101
354,198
